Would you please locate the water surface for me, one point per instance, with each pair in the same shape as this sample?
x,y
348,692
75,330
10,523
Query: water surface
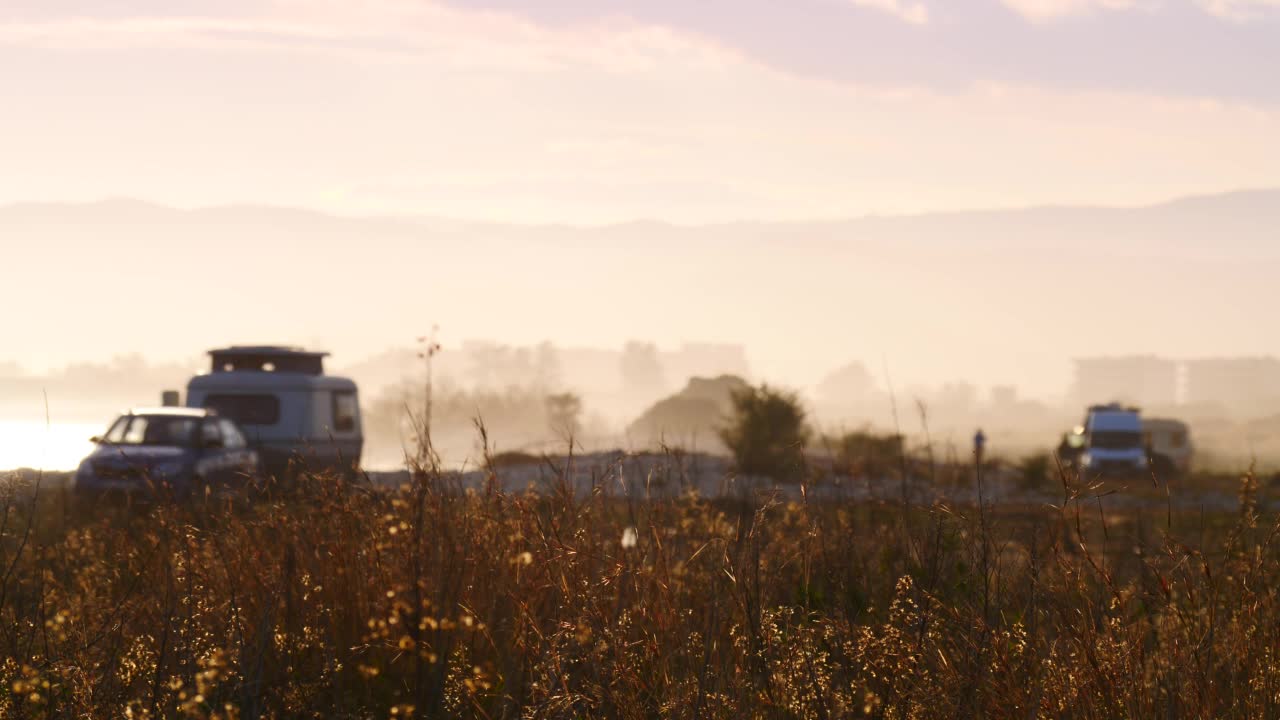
x,y
45,446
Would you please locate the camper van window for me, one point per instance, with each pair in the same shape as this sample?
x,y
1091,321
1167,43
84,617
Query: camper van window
x,y
344,411
246,409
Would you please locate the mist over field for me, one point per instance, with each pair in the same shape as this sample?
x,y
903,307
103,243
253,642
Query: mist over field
x,y
977,315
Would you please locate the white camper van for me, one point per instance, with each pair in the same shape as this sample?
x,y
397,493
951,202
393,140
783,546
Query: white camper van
x,y
289,409
1169,442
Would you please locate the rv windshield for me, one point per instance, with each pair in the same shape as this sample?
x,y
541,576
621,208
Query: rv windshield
x,y
1115,439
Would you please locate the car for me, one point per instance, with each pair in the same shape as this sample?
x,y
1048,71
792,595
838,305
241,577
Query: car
x,y
169,451
1111,442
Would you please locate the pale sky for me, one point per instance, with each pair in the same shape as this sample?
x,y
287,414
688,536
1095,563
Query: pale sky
x,y
585,112
590,111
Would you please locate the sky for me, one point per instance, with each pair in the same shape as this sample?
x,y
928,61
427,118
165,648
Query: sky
x,y
595,112
600,111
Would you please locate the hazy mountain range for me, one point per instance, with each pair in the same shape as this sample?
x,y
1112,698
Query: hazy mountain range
x,y
1000,296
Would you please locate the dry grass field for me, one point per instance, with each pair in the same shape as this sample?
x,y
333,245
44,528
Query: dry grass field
x,y
339,599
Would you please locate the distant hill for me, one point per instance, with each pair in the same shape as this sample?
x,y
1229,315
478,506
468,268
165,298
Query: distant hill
x,y
691,417
1232,220
999,296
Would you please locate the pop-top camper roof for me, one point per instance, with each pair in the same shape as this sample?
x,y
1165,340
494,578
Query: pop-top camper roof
x,y
267,358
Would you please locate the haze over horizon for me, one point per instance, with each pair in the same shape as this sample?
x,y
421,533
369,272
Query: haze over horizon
x,y
124,201
988,297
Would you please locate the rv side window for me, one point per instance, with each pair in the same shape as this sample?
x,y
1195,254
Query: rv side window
x,y
246,409
344,411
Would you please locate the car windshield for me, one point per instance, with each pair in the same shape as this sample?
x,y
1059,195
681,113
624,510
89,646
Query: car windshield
x,y
1115,439
153,430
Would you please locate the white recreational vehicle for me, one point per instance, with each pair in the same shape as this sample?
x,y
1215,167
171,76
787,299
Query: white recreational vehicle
x,y
1169,442
289,409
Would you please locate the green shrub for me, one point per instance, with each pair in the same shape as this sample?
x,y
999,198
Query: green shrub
x,y
863,453
766,433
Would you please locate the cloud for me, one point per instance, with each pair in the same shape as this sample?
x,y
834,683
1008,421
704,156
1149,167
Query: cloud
x,y
1171,47
1239,9
836,110
1045,10
912,12
389,30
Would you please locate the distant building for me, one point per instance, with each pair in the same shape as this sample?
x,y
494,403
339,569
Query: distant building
x,y
1142,380
1244,385
1004,396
